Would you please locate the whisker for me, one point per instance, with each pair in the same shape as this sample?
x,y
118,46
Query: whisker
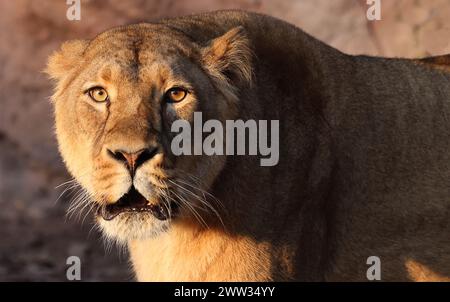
x,y
199,183
73,186
202,201
192,209
166,202
204,193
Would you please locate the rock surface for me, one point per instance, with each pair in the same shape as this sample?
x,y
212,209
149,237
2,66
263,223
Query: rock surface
x,y
36,239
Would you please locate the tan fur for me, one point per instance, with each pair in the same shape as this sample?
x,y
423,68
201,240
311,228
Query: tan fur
x,y
354,142
190,254
422,273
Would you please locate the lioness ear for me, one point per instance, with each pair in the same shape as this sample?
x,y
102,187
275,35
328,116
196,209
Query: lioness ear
x,y
62,61
228,57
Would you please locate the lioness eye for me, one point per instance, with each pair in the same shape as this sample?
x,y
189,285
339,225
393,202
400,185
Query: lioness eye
x,y
175,95
98,94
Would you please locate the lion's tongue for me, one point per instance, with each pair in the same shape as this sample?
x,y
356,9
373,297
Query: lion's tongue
x,y
133,201
110,212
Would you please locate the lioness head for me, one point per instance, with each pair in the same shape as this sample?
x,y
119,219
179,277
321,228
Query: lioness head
x,y
115,100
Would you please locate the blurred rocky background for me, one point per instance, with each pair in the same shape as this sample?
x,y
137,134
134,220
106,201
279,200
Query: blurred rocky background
x,y
35,236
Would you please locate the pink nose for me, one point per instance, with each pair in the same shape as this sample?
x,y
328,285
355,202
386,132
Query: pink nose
x,y
133,159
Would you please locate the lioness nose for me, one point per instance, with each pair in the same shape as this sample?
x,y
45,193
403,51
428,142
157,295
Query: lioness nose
x,y
133,159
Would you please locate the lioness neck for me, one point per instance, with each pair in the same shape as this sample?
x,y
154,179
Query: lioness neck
x,y
193,254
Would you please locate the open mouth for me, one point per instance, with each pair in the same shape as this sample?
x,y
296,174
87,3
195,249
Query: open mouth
x,y
133,201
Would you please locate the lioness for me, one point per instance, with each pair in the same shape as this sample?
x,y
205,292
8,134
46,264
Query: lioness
x,y
364,152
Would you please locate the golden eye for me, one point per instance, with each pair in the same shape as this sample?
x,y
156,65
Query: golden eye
x,y
98,94
176,95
